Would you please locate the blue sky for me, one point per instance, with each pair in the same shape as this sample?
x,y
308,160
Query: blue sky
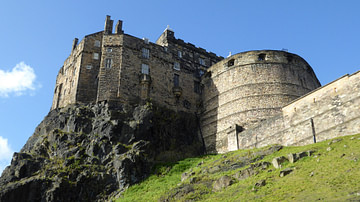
x,y
36,37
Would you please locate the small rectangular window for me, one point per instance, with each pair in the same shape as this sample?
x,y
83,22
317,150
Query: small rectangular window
x,y
179,54
89,66
109,50
96,56
177,66
97,43
202,61
108,63
176,80
145,69
145,53
201,72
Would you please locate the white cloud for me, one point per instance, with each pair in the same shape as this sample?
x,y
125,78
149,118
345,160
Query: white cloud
x,y
5,154
17,81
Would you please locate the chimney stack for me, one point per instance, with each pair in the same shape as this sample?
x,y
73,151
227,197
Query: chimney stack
x,y
108,25
118,27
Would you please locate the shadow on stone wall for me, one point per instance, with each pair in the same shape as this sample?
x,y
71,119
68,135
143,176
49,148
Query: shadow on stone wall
x,y
209,114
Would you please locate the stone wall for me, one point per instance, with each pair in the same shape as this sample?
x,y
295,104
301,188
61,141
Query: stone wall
x,y
107,66
250,87
125,82
112,47
77,79
89,69
330,111
67,79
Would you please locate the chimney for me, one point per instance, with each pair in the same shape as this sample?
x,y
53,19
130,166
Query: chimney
x,y
118,27
74,43
108,25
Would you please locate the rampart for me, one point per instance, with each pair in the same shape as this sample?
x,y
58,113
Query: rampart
x,y
327,112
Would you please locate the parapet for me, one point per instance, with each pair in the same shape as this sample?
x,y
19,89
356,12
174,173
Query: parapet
x,y
261,57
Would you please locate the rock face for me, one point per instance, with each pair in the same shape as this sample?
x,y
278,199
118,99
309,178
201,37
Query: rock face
x,y
93,152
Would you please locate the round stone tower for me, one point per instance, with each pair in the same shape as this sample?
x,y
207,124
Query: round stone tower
x,y
249,87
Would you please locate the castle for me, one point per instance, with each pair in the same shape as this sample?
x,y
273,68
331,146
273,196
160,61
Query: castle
x,y
249,99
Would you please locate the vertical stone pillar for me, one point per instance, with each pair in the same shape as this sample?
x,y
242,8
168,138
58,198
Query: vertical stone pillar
x,y
108,25
118,27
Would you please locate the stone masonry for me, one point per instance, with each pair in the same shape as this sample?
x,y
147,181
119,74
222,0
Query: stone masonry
x,y
327,112
249,87
117,67
246,100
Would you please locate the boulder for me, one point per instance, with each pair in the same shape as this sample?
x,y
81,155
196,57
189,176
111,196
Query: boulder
x,y
278,161
246,173
222,182
258,184
285,172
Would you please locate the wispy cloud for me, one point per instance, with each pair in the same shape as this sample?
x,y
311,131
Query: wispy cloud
x,y
19,80
5,154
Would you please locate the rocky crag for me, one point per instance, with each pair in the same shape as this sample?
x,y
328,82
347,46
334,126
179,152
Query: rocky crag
x,y
94,152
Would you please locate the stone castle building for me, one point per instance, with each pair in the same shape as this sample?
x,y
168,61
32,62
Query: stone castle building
x,y
235,97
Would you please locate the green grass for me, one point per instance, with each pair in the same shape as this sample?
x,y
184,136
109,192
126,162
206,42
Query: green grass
x,y
336,175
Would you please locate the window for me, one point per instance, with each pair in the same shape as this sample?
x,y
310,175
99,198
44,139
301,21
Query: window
x,y
201,72
145,53
176,80
197,87
97,43
179,54
202,61
109,50
145,69
108,63
231,62
177,66
261,57
89,66
96,56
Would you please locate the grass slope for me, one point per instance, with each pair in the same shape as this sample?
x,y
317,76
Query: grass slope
x,y
332,173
